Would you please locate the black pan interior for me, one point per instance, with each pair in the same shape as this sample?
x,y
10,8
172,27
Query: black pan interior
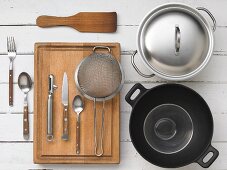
x,y
197,108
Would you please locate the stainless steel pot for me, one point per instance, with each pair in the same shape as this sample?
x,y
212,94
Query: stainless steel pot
x,y
175,41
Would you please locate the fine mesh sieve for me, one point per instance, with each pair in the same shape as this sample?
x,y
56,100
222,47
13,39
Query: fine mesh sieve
x,y
99,77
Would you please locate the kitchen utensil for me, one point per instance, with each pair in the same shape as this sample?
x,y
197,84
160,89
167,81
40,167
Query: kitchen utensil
x,y
84,21
65,102
99,77
161,135
175,41
12,52
78,107
51,88
25,84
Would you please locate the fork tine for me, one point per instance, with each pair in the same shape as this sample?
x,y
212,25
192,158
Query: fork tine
x,y
14,45
8,44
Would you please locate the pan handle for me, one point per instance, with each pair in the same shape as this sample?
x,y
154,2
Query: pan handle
x,y
210,14
211,160
128,96
137,69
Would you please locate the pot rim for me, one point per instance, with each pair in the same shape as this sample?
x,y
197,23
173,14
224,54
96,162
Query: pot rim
x,y
200,18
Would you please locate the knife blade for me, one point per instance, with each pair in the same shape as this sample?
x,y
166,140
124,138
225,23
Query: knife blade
x,y
65,103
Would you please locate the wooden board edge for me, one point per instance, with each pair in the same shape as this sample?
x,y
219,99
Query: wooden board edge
x,y
37,159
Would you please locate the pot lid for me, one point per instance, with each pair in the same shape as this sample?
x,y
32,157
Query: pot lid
x,y
175,41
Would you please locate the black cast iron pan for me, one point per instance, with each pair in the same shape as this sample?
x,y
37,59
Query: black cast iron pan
x,y
200,144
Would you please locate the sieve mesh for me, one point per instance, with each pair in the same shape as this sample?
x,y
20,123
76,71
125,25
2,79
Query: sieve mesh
x,y
99,75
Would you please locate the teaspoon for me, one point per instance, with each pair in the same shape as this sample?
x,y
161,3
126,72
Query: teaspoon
x,y
78,107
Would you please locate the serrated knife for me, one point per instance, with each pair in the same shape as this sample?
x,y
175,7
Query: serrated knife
x,y
65,102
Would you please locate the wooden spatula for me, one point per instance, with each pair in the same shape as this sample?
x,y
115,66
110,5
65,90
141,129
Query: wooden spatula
x,y
83,21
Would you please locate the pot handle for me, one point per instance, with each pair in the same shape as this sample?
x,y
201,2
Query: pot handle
x,y
210,14
211,160
128,96
137,69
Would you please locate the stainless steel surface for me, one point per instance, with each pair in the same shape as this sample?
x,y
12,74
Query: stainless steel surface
x,y
25,84
210,14
137,69
78,107
177,39
65,90
11,48
65,103
99,77
175,53
51,89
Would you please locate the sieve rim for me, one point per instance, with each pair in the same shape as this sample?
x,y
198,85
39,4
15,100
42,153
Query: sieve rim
x,y
99,98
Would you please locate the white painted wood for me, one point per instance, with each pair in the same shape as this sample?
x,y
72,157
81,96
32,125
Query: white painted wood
x,y
26,11
25,37
214,94
215,71
17,18
11,127
18,99
20,158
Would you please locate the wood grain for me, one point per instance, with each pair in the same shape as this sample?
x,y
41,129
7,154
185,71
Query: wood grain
x,y
57,58
26,123
10,87
99,22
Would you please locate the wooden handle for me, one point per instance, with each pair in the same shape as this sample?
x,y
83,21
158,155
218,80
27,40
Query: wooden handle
x,y
11,87
51,21
65,124
26,123
77,137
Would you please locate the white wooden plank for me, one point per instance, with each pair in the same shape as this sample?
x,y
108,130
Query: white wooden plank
x,y
19,156
214,94
25,37
18,99
11,127
215,71
26,11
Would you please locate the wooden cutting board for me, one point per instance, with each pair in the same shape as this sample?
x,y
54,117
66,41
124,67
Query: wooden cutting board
x,y
57,58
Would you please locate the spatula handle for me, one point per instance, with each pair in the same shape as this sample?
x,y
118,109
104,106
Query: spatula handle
x,y
51,21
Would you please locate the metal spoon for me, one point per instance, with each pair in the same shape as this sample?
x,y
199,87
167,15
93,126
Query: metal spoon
x,y
78,107
25,84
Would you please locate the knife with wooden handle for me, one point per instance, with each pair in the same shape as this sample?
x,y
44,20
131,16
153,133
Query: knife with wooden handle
x,y
65,104
99,22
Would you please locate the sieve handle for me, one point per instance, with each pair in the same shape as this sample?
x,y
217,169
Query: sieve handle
x,y
102,47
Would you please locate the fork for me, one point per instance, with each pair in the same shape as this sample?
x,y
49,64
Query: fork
x,y
11,47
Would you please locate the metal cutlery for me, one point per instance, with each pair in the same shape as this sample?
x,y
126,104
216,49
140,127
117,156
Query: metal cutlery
x,y
25,84
51,88
11,48
65,104
78,107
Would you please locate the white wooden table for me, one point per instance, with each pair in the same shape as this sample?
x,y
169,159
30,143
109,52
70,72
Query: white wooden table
x,y
17,18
